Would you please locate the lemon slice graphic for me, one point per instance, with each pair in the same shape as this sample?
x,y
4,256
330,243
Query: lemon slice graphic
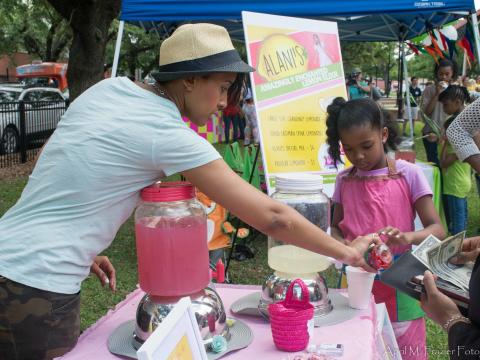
x,y
280,57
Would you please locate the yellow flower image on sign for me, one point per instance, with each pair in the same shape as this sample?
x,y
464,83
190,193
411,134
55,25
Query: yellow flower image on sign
x,y
281,56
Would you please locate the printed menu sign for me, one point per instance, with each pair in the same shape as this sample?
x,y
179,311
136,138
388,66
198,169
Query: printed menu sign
x,y
299,73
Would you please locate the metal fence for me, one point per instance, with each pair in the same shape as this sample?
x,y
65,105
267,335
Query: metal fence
x,y
7,78
25,127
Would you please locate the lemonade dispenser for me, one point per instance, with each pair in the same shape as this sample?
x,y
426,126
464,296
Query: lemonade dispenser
x,y
171,239
303,192
173,261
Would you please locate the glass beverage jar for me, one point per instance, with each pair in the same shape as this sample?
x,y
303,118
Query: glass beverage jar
x,y
171,239
303,192
406,151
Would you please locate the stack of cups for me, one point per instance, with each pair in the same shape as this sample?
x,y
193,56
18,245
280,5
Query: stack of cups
x,y
360,284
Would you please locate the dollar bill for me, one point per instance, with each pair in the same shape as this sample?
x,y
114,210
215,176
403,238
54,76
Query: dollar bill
x,y
420,252
449,248
462,274
435,265
433,255
439,260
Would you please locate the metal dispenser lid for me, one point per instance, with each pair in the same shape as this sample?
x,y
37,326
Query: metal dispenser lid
x,y
299,182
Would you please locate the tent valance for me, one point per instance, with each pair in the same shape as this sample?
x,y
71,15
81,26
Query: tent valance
x,y
364,20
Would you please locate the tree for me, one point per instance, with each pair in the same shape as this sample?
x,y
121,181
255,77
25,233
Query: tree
x,y
376,59
47,37
421,66
140,49
90,21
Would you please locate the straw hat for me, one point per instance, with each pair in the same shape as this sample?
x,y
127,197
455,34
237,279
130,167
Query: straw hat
x,y
198,49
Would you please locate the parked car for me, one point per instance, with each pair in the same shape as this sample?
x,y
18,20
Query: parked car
x,y
43,109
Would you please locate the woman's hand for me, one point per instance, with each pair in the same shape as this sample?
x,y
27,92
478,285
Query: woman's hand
x,y
103,268
470,251
432,137
395,236
361,245
443,138
437,306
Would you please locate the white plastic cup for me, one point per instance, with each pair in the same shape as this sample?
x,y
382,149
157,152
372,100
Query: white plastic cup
x,y
360,284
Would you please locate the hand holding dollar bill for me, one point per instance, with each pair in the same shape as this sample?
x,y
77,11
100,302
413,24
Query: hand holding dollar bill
x,y
435,254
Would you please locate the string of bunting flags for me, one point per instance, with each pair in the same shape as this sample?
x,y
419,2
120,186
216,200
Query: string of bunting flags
x,y
443,43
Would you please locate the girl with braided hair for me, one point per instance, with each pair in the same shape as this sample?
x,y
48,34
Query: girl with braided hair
x,y
457,180
381,195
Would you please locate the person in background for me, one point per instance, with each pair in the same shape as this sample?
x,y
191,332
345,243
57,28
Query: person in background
x,y
477,81
445,72
463,134
463,331
375,92
456,174
380,195
357,88
415,94
388,88
251,128
107,71
472,89
52,82
231,115
471,85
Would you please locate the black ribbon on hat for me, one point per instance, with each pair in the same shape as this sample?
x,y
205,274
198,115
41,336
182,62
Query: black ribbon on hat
x,y
207,63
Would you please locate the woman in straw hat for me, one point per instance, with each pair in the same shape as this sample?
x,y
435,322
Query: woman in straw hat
x,y
115,139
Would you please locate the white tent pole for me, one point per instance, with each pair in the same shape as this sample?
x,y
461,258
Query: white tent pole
x,y
407,94
118,45
464,66
475,32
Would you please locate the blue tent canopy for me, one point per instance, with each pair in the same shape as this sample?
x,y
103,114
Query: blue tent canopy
x,y
358,20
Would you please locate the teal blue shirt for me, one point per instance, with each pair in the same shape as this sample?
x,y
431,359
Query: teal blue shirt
x,y
115,139
354,92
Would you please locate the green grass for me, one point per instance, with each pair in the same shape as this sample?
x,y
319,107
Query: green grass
x,y
96,301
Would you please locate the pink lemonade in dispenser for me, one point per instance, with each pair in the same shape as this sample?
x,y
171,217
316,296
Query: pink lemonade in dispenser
x,y
172,260
172,250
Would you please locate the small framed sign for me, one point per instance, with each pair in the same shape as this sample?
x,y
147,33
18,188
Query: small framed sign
x,y
176,338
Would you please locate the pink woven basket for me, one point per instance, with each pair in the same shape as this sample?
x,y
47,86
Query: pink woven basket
x,y
289,319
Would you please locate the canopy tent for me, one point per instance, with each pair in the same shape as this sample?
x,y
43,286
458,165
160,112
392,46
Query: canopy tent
x,y
364,20
358,20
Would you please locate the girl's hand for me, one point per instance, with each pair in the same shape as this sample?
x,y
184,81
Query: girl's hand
x,y
395,236
440,86
437,306
361,245
103,268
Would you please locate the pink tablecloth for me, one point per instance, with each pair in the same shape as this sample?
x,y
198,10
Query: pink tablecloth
x,y
357,335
